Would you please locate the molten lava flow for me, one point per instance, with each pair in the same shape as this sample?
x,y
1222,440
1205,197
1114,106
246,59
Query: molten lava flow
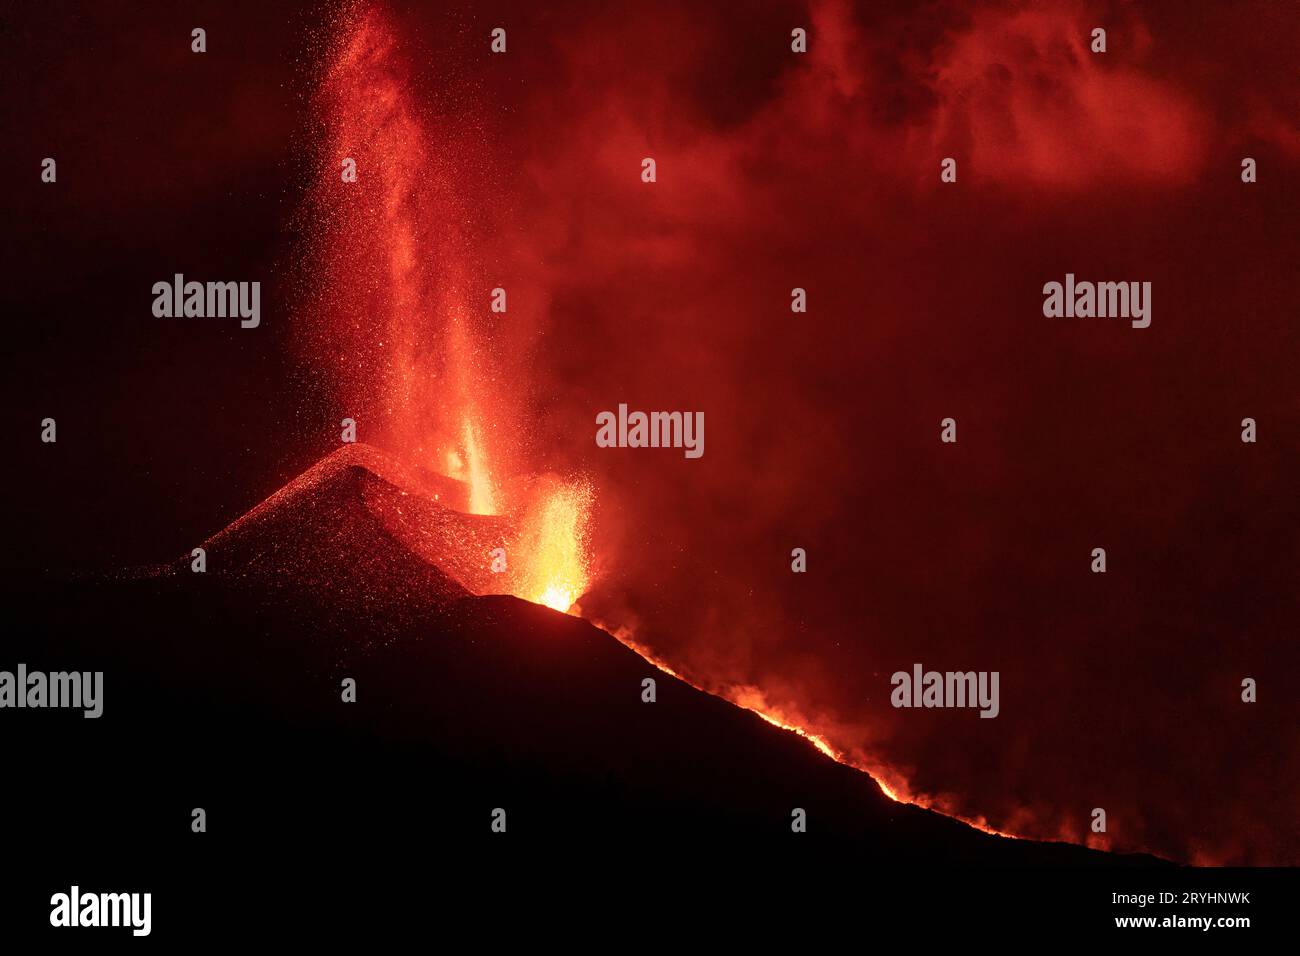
x,y
752,699
553,546
818,742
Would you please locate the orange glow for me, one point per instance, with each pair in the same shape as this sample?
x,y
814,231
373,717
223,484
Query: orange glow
x,y
887,791
752,699
467,463
482,500
818,742
552,547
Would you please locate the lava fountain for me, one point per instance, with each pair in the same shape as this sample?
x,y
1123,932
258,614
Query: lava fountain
x,y
553,544
468,464
399,317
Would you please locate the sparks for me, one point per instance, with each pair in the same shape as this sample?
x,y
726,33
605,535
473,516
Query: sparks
x,y
553,546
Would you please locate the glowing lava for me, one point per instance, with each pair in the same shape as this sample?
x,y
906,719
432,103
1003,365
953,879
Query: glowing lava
x,y
481,499
553,546
818,742
752,699
471,467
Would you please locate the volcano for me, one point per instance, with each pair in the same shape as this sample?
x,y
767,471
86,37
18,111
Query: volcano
x,y
468,706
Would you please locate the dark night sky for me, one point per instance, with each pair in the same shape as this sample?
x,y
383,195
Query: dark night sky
x,y
1118,690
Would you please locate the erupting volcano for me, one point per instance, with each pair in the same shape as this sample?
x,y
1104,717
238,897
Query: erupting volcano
x,y
480,273
399,315
367,464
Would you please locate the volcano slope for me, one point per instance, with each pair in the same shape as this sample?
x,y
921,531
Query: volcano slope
x,y
223,690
